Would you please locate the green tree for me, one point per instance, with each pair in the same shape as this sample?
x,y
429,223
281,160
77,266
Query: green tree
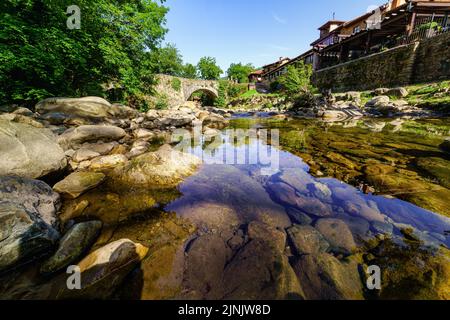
x,y
189,71
208,68
297,79
40,57
167,60
240,72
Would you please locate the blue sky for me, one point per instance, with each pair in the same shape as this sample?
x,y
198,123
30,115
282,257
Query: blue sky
x,y
255,31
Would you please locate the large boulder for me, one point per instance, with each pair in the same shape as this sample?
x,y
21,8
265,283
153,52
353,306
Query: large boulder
x,y
90,133
163,168
78,183
28,220
75,242
28,151
88,107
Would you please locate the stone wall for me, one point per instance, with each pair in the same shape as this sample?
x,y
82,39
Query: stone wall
x,y
177,96
433,59
414,63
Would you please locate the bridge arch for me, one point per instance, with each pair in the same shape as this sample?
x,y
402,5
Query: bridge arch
x,y
211,92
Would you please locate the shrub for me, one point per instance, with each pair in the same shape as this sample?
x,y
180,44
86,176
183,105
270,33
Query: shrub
x,y
297,79
162,102
176,84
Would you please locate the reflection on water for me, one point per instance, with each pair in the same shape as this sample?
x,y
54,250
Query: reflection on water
x,y
228,185
408,242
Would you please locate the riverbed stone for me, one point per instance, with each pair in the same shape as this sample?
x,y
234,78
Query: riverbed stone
x,y
261,272
90,107
324,277
383,227
306,240
338,234
24,236
108,162
35,196
265,233
75,242
299,217
400,92
103,270
164,168
90,133
28,151
78,183
205,262
84,155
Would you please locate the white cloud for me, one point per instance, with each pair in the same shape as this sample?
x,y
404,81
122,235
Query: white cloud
x,y
279,19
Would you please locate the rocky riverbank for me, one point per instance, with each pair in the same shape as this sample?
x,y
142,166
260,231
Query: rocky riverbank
x,y
74,167
417,101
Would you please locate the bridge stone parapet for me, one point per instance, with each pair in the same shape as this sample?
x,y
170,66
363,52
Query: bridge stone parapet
x,y
179,90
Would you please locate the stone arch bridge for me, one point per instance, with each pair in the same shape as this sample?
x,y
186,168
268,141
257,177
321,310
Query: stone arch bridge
x,y
179,90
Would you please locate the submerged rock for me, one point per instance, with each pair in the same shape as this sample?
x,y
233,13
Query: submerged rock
x,y
205,262
338,234
307,240
78,183
71,247
260,272
324,277
28,151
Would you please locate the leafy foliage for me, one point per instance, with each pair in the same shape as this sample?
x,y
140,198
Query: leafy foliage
x,y
176,84
167,60
208,68
297,79
189,71
40,57
222,98
240,72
